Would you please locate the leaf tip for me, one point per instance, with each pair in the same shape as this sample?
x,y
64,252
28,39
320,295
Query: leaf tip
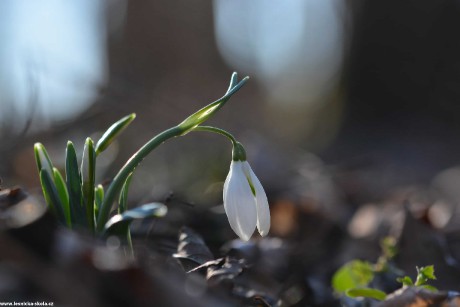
x,y
89,141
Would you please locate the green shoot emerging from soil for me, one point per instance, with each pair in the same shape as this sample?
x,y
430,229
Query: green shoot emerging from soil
x,y
355,278
424,274
78,202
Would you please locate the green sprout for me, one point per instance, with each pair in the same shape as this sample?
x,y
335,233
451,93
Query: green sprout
x,y
354,278
78,202
424,275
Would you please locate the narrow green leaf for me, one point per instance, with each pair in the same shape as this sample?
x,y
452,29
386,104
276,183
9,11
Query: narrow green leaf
x,y
42,159
51,195
354,274
73,179
118,224
63,195
113,131
98,198
123,200
366,292
122,207
88,166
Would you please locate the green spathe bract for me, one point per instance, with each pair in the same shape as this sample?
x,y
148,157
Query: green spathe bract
x,y
205,113
79,203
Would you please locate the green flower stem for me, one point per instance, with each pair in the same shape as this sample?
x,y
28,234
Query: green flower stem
x,y
119,180
216,130
238,153
190,123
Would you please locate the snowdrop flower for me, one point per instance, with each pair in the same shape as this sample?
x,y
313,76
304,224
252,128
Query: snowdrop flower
x,y
245,200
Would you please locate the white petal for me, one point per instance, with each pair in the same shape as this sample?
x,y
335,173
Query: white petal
x,y
239,202
263,210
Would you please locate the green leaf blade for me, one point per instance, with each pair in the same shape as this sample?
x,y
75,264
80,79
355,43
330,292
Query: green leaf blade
x,y
112,132
63,195
98,198
354,274
51,195
42,159
73,180
430,288
119,223
428,272
406,281
424,274
123,200
366,292
88,170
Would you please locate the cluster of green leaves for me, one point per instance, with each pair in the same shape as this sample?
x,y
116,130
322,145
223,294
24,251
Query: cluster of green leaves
x,y
355,277
76,199
79,203
424,275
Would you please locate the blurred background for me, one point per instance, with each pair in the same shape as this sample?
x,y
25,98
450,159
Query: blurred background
x,y
347,101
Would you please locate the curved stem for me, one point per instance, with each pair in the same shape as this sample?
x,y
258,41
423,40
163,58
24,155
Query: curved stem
x,y
190,123
216,130
128,168
238,152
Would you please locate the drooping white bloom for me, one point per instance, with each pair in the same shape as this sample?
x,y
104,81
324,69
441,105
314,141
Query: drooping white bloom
x,y
245,201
